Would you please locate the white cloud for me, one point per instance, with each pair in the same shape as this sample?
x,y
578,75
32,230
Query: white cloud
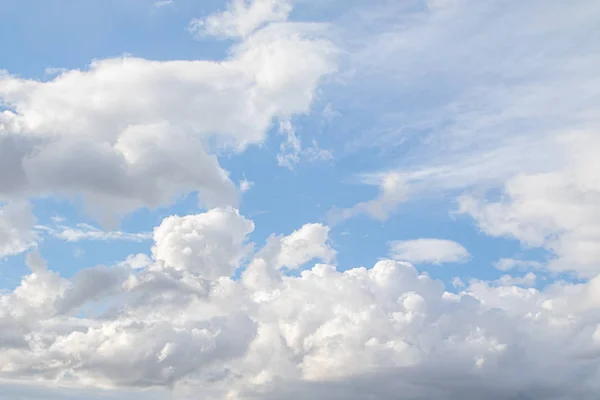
x,y
556,210
428,251
506,264
88,232
529,279
212,244
309,242
164,3
129,132
16,229
392,192
245,185
242,18
325,333
54,71
291,151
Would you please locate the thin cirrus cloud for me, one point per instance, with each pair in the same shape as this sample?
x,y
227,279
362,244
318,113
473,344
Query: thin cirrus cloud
x,y
82,232
506,112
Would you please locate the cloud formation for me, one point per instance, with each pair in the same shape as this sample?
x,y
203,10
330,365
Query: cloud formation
x,y
128,132
556,210
179,322
471,94
428,251
242,18
88,232
511,106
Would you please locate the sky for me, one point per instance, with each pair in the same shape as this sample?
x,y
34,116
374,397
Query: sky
x,y
291,199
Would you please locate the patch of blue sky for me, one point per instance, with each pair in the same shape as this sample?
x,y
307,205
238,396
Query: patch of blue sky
x,y
37,35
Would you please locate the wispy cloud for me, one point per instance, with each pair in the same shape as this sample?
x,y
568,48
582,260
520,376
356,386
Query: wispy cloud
x,y
163,3
82,232
428,251
472,93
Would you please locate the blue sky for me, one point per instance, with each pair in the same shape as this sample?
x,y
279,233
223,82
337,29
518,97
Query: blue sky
x,y
231,148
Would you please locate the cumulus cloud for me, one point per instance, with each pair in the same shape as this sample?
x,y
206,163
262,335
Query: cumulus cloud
x,y
325,333
292,251
428,251
128,132
16,229
211,244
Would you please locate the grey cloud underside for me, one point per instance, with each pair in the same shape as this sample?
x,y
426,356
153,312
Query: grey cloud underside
x,y
424,384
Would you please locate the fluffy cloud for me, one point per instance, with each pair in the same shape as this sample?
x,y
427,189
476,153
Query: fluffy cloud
x,y
324,333
211,244
292,251
16,229
556,210
129,132
428,251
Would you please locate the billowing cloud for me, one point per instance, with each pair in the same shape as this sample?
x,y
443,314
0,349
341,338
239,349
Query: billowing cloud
x,y
292,251
212,244
324,333
128,132
428,251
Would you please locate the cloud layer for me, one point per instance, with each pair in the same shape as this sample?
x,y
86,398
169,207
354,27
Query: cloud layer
x,y
182,321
